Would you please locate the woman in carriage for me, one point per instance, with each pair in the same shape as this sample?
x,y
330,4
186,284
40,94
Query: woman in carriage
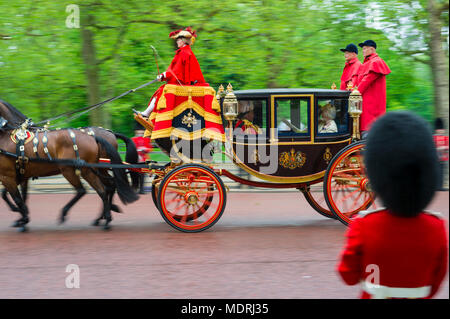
x,y
184,110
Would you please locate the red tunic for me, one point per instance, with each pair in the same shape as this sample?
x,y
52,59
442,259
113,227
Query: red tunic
x,y
410,253
350,73
441,142
371,84
143,147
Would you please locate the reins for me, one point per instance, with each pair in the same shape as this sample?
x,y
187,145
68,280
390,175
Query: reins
x,y
78,163
86,109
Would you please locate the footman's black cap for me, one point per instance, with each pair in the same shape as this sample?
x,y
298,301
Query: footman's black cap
x,y
368,43
350,48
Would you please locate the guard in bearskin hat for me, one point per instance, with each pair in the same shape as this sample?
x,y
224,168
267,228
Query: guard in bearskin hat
x,y
399,251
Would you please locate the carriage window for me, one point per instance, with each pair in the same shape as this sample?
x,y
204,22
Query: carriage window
x,y
292,116
332,116
252,117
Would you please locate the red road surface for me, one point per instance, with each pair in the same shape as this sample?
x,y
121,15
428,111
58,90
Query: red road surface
x,y
266,245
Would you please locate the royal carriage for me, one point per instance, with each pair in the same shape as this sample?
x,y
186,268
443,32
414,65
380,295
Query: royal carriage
x,y
285,138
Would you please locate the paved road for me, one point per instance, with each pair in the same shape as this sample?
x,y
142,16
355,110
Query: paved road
x,y
266,245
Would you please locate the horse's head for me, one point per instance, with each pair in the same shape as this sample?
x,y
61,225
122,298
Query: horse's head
x,y
12,115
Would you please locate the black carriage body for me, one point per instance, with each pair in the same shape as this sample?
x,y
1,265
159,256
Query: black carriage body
x,y
292,145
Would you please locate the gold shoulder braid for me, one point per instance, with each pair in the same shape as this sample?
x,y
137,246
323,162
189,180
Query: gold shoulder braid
x,y
249,124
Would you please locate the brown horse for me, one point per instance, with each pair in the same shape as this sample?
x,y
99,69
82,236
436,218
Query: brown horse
x,y
61,146
14,116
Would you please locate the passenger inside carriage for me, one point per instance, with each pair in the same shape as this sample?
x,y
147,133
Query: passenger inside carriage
x,y
250,120
332,116
326,119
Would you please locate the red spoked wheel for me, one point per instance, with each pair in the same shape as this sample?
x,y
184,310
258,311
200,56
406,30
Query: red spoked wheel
x,y
315,197
191,198
346,187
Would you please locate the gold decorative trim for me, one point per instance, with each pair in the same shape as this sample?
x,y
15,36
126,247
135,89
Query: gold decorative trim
x,y
205,133
169,115
327,156
196,91
295,143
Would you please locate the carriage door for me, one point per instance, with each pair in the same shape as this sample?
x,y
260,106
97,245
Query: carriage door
x,y
294,135
250,133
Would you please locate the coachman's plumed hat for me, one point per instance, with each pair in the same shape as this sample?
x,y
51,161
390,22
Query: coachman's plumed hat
x,y
401,162
184,33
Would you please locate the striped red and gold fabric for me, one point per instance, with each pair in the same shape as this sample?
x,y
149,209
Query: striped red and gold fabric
x,y
188,112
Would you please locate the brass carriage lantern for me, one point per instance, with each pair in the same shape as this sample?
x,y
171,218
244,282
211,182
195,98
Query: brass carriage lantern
x,y
355,110
230,105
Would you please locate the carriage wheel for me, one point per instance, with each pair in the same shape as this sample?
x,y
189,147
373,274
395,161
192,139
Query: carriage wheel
x,y
191,198
315,197
346,187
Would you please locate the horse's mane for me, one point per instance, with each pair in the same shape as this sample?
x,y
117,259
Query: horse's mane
x,y
17,116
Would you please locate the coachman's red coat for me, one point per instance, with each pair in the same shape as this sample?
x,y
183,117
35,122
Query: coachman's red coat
x,y
183,70
410,252
186,97
350,73
371,84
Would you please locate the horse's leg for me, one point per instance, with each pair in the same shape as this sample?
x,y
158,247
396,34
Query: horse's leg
x,y
111,189
12,188
74,180
101,190
13,207
24,190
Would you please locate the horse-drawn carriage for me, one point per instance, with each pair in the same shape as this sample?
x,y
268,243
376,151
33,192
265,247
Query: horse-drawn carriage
x,y
285,138
279,137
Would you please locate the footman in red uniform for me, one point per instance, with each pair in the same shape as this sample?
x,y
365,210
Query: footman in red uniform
x,y
351,68
399,251
371,83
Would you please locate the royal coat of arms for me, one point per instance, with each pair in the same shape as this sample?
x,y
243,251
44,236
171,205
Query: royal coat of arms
x,y
292,159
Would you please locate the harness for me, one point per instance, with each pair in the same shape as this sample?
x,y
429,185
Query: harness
x,y
23,136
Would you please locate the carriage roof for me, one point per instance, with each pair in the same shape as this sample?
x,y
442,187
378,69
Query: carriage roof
x,y
264,93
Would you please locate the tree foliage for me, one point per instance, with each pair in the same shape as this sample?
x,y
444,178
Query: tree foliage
x,y
251,44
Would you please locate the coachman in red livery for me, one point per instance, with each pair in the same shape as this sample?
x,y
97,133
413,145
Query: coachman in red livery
x,y
184,111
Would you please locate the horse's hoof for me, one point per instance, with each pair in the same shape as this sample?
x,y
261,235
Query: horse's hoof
x,y
96,222
23,229
61,220
106,227
18,223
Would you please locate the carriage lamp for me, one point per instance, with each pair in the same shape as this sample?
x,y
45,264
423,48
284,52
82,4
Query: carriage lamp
x,y
230,105
220,93
355,110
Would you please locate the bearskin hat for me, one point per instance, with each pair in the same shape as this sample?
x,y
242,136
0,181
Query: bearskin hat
x,y
438,124
401,162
